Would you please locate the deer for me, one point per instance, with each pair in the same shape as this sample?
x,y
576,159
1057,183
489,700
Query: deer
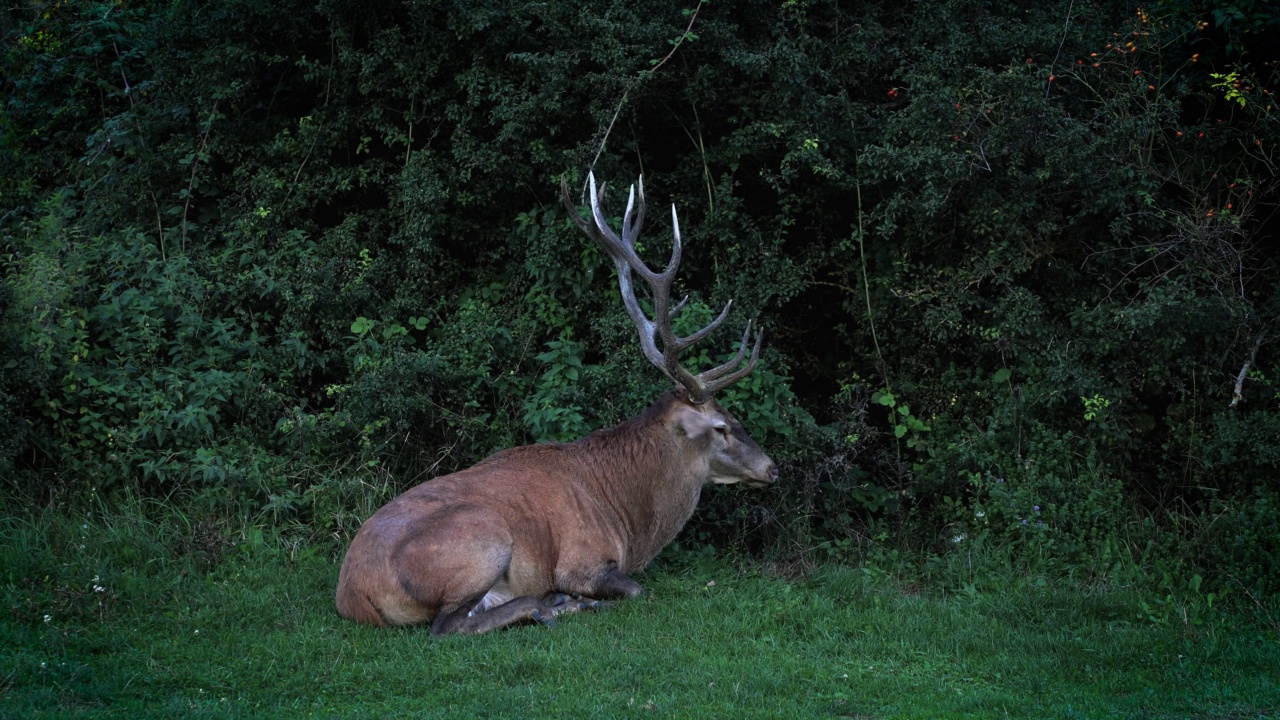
x,y
534,532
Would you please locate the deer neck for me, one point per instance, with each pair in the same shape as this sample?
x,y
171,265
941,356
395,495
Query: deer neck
x,y
650,484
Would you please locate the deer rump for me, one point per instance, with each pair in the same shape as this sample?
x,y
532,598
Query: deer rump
x,y
533,532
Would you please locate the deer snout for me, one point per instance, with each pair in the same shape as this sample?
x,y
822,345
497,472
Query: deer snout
x,y
767,477
771,473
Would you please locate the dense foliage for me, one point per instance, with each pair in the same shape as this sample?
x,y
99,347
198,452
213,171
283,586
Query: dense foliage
x,y
1016,263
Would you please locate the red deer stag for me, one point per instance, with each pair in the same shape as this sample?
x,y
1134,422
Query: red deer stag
x,y
536,531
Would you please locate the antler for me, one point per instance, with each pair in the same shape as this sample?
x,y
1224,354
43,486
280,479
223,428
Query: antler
x,y
704,385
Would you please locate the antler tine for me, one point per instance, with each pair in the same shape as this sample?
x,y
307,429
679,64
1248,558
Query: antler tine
x,y
670,340
600,231
679,306
623,252
625,258
711,380
624,248
687,341
631,226
673,345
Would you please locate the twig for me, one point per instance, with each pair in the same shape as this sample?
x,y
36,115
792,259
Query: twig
x,y
195,165
605,140
1065,24
408,146
837,286
159,222
866,290
701,147
982,152
680,41
1244,370
128,91
325,103
293,185
1262,610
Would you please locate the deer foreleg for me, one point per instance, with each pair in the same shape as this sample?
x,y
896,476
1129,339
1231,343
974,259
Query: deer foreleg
x,y
464,621
612,584
467,621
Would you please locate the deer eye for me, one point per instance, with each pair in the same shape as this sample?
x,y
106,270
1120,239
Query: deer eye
x,y
723,430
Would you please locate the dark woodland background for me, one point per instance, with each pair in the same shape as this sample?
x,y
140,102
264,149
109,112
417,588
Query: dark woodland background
x,y
1017,266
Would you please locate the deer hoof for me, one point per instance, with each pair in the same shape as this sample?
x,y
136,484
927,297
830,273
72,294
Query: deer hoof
x,y
547,620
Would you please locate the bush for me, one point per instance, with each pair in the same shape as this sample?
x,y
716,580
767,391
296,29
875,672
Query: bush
x,y
988,243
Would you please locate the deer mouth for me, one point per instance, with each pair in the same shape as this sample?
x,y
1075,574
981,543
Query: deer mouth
x,y
770,477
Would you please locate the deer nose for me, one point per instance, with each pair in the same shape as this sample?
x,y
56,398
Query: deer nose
x,y
773,472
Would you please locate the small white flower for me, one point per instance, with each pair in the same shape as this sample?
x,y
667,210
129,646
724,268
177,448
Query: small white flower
x,y
197,632
981,513
98,588
47,618
958,538
44,665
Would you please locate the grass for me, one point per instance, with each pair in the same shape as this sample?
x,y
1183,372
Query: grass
x,y
185,629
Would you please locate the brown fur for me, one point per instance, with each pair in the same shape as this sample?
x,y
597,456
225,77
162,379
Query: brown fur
x,y
532,523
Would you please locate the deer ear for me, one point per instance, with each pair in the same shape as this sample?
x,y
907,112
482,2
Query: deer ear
x,y
696,424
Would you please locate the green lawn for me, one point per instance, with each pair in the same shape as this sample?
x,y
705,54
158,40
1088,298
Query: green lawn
x,y
257,636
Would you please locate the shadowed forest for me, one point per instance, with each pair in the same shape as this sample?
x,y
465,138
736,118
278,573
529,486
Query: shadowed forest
x,y
266,265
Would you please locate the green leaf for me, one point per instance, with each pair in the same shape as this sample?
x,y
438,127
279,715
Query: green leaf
x,y
1002,376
